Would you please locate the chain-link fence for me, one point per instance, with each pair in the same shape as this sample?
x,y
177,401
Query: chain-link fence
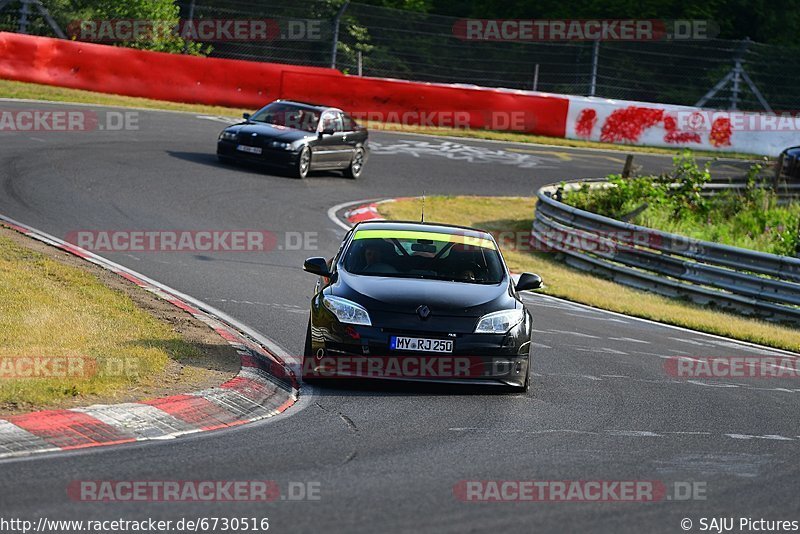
x,y
384,42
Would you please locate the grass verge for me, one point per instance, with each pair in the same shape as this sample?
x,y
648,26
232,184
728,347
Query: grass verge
x,y
13,89
752,217
97,338
515,214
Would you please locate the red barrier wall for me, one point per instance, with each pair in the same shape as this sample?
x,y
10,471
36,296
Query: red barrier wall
x,y
247,84
124,71
415,102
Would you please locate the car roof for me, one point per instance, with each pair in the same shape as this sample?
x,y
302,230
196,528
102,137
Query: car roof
x,y
424,227
306,105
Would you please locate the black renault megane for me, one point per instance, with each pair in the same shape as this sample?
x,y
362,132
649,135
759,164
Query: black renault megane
x,y
297,137
418,301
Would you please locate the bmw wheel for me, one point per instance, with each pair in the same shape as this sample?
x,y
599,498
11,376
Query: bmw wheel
x,y
303,163
356,164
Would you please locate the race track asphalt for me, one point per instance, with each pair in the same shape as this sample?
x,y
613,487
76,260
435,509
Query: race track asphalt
x,y
601,406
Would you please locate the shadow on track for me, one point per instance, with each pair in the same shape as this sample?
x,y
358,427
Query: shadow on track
x,y
210,159
400,388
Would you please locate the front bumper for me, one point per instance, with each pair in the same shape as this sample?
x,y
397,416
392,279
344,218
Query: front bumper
x,y
354,351
270,156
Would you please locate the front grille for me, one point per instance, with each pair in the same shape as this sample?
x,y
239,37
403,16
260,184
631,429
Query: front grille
x,y
249,140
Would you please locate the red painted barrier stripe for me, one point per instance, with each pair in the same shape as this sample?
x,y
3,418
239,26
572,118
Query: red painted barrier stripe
x,y
69,430
184,306
249,361
75,250
132,278
226,335
364,216
17,228
196,411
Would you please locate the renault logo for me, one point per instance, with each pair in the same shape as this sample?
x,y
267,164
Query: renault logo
x,y
255,135
424,312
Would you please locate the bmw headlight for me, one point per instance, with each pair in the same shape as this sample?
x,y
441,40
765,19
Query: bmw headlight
x,y
281,145
499,322
347,311
228,136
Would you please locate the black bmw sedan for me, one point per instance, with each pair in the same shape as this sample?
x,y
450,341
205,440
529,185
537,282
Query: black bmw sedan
x,y
788,167
297,137
418,301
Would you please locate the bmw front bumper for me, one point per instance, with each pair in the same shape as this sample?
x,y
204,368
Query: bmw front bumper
x,y
270,156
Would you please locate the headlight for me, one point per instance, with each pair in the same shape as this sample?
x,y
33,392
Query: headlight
x,y
499,322
347,311
281,145
228,136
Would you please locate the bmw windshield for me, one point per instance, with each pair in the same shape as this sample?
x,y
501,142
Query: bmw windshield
x,y
288,115
427,255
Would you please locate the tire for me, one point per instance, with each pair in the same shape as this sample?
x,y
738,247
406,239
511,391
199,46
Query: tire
x,y
307,347
526,386
779,168
303,164
356,164
225,160
307,355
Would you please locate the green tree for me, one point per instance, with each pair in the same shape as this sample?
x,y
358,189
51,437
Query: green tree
x,y
164,14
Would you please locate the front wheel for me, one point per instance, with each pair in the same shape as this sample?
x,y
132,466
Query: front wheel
x,y
307,350
308,357
525,387
303,164
356,164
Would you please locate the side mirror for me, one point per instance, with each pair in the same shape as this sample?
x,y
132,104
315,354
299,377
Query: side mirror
x,y
246,116
529,281
328,131
318,266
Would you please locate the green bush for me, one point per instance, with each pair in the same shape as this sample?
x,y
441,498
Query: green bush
x,y
749,217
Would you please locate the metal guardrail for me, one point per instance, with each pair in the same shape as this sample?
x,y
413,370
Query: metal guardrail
x,y
726,277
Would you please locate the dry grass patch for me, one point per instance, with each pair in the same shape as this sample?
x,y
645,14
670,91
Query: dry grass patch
x,y
124,343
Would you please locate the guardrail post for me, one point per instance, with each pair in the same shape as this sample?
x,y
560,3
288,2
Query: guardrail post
x,y
797,246
24,10
336,23
190,19
595,62
626,171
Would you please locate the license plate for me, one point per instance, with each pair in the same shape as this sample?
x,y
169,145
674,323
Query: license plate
x,y
421,344
249,149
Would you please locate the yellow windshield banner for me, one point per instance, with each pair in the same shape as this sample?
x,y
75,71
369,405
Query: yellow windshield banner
x,y
431,236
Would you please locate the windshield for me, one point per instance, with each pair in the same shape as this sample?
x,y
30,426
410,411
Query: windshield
x,y
288,115
410,254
